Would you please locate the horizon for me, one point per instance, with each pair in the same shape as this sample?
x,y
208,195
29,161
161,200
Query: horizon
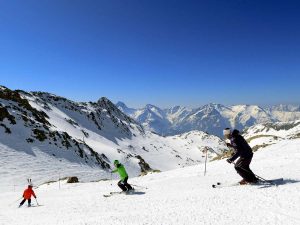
x,y
165,53
143,106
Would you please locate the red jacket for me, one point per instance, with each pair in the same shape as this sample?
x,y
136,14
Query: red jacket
x,y
28,192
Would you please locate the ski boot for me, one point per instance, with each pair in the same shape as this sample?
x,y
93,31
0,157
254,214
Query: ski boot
x,y
243,182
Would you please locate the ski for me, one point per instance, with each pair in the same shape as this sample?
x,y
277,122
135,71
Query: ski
x,y
35,206
261,182
220,185
32,206
113,193
275,182
217,184
118,193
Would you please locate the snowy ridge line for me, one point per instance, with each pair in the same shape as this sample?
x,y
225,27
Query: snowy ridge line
x,y
211,118
83,139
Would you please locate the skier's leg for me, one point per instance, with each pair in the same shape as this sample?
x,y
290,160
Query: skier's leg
x,y
239,169
22,202
29,202
128,186
251,176
244,170
121,185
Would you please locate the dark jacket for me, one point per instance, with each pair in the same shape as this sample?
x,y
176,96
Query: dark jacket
x,y
241,148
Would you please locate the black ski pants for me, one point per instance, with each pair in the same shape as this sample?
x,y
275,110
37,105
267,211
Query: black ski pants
x,y
24,200
124,185
242,167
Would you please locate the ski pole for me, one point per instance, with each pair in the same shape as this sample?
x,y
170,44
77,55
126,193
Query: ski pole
x,y
205,162
216,152
260,178
36,202
110,178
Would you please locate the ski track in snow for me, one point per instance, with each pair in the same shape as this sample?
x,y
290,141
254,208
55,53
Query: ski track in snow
x,y
181,196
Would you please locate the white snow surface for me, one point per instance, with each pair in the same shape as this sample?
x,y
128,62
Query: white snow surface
x,y
270,133
44,161
181,196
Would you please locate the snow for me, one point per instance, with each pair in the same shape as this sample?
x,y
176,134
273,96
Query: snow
x,y
286,116
263,140
211,117
268,129
17,165
181,196
175,196
161,153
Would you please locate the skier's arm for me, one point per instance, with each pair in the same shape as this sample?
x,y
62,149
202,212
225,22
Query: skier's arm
x,y
33,194
235,156
237,151
113,171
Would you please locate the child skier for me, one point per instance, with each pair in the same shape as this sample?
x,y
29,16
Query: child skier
x,y
27,195
123,175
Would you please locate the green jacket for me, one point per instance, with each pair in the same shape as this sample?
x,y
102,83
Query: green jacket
x,y
121,170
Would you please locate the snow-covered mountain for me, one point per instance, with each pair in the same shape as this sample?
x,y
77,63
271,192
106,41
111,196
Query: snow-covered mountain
x,y
263,135
46,137
179,197
211,118
83,139
285,113
285,108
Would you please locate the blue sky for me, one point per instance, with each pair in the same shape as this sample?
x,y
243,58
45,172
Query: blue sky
x,y
163,52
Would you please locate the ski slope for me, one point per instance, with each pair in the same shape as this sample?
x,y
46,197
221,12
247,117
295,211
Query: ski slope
x,y
181,196
47,137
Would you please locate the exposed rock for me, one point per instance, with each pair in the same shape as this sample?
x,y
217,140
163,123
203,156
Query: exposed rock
x,y
145,167
72,180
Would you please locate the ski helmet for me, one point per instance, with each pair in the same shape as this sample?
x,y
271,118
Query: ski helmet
x,y
116,162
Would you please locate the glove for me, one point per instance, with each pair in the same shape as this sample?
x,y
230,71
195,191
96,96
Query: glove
x,y
228,160
228,145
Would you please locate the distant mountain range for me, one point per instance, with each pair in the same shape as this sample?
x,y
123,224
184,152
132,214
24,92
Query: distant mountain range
x,y
40,130
210,118
45,136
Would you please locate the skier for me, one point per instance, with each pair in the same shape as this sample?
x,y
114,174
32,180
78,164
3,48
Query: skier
x,y
123,175
27,195
242,151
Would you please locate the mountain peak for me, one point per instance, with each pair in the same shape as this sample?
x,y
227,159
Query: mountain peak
x,y
104,99
149,106
106,103
3,88
125,109
121,104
